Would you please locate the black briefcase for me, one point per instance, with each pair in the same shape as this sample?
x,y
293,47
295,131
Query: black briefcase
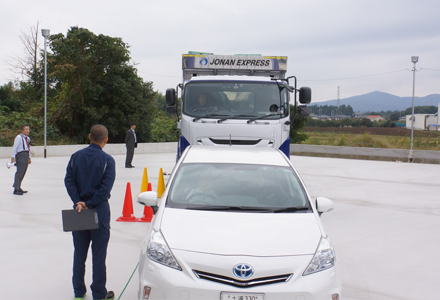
x,y
73,220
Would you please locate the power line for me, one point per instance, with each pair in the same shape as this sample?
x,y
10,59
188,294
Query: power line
x,y
355,76
159,74
429,69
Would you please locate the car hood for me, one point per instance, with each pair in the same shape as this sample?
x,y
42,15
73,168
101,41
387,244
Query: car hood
x,y
236,233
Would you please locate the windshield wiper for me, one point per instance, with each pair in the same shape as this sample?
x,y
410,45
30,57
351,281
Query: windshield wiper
x,y
228,208
208,116
234,117
262,117
289,209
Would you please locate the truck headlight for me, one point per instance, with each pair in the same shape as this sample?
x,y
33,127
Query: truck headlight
x,y
323,259
158,251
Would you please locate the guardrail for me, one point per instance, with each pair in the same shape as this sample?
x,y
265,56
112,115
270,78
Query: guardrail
x,y
113,149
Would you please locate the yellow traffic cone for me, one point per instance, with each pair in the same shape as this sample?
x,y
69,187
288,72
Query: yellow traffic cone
x,y
160,184
144,185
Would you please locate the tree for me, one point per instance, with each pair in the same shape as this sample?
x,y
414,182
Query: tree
x,y
97,84
164,128
27,65
8,98
159,102
328,109
297,122
366,122
421,110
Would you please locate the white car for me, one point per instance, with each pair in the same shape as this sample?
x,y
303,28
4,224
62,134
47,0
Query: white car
x,y
237,224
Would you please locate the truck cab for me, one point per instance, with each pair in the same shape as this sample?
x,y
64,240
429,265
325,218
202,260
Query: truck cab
x,y
235,100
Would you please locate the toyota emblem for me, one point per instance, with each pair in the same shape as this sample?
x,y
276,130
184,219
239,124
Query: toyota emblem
x,y
243,271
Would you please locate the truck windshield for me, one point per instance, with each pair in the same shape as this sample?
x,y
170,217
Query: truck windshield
x,y
238,100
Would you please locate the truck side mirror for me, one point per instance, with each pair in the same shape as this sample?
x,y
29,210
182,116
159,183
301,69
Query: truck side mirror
x,y
171,109
305,95
303,110
170,97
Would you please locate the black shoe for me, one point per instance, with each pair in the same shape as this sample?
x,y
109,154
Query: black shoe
x,y
18,192
24,192
129,167
110,296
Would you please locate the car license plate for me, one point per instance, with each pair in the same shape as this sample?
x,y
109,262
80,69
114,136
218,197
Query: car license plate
x,y
241,296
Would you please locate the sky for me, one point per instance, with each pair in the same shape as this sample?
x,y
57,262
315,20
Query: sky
x,y
354,46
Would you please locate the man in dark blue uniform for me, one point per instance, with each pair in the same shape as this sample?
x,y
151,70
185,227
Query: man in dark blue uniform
x,y
89,179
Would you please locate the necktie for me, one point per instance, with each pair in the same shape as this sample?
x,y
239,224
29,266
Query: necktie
x,y
27,142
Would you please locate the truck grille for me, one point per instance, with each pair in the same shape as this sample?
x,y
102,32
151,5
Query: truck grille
x,y
242,284
235,142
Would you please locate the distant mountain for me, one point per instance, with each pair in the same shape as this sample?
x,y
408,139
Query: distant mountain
x,y
378,101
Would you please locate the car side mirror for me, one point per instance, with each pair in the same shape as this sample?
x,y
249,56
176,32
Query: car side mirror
x,y
323,205
148,199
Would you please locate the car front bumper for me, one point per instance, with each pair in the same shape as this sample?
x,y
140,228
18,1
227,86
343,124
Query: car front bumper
x,y
167,283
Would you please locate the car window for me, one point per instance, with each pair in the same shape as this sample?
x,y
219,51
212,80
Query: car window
x,y
243,185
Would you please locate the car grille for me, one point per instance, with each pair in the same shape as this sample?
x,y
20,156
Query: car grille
x,y
244,283
235,142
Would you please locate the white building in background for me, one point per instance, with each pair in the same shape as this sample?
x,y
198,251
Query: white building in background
x,y
424,121
376,118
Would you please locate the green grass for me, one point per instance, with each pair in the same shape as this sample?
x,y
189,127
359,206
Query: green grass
x,y
372,141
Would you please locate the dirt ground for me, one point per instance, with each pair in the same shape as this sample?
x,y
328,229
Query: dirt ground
x,y
374,131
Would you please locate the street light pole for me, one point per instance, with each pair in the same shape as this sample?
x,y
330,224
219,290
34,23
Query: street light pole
x,y
414,60
46,34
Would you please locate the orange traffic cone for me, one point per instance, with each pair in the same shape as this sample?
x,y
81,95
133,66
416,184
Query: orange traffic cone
x,y
148,212
127,211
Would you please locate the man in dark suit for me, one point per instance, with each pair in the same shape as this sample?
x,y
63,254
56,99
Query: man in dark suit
x,y
130,143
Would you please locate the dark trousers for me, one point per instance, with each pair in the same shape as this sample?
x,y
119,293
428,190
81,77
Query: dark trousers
x,y
81,242
21,162
129,157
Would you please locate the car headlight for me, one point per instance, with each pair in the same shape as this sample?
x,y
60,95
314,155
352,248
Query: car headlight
x,y
158,251
323,259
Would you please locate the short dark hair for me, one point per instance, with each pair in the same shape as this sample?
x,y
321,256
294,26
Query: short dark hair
x,y
98,133
23,126
132,123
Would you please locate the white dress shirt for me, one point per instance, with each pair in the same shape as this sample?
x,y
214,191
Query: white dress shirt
x,y
134,133
20,144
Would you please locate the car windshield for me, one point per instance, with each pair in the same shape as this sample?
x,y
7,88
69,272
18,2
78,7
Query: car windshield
x,y
235,100
237,187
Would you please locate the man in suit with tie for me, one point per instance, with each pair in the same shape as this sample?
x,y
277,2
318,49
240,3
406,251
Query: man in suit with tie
x,y
130,143
21,155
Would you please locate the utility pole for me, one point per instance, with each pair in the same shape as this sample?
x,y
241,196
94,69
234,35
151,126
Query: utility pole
x,y
339,102
46,34
414,60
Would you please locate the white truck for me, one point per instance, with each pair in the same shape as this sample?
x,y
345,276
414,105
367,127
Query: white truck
x,y
236,100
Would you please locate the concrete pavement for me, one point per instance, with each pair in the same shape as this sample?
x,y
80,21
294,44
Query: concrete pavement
x,y
385,227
